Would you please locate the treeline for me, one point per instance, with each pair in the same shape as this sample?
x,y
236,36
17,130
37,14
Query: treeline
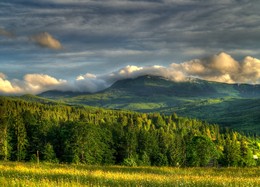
x,y
31,131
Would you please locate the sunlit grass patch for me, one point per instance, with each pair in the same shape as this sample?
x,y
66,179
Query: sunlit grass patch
x,y
28,174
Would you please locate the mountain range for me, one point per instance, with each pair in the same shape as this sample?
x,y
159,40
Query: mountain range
x,y
231,105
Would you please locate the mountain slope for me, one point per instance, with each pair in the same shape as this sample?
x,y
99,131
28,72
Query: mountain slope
x,y
55,94
233,105
154,85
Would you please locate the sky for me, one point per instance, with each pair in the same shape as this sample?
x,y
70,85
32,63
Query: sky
x,y
87,45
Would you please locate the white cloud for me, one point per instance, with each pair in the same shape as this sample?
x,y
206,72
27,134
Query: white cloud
x,y
221,68
250,70
223,63
32,83
46,40
87,83
37,82
8,87
128,70
86,76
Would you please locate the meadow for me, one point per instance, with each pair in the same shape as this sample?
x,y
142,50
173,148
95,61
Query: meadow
x,y
46,174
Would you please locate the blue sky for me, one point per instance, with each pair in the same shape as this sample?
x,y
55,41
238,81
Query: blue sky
x,y
64,42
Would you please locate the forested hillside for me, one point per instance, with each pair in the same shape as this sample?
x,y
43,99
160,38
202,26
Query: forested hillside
x,y
54,132
236,106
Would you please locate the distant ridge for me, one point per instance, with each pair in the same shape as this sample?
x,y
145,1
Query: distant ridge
x,y
56,94
156,85
152,85
34,98
233,105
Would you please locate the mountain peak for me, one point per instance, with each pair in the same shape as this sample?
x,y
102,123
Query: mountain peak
x,y
150,85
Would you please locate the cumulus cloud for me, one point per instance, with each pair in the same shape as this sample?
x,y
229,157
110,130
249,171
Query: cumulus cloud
x,y
220,68
32,83
46,40
39,82
8,87
250,70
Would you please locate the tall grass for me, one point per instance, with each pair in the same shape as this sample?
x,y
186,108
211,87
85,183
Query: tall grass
x,y
29,174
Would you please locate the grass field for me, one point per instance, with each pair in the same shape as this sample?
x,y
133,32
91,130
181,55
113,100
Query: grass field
x,y
30,174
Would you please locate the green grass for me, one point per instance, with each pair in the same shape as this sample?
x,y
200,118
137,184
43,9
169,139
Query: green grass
x,y
29,174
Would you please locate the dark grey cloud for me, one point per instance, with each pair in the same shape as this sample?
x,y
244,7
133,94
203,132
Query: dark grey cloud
x,y
99,36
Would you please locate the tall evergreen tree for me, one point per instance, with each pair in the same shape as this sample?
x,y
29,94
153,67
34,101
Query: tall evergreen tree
x,y
20,137
4,145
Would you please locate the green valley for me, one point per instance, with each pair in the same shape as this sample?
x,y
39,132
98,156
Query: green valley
x,y
230,105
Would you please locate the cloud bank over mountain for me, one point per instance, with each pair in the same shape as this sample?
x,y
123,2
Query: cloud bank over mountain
x,y
220,68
